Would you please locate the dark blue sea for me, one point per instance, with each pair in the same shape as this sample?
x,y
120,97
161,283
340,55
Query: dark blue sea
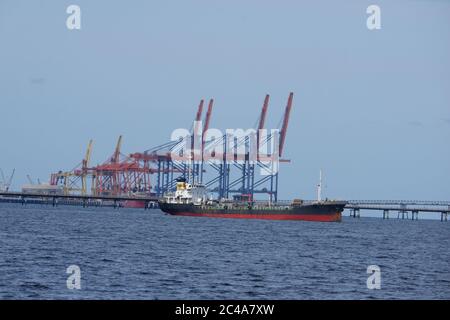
x,y
145,254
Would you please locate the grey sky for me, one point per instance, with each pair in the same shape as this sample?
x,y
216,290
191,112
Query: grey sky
x,y
371,108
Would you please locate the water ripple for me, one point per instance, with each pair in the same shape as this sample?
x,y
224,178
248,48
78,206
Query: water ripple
x,y
137,254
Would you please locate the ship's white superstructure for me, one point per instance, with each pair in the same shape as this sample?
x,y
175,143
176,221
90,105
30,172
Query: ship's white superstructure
x,y
188,193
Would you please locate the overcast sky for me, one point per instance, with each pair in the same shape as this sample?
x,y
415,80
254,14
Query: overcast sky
x,y
371,108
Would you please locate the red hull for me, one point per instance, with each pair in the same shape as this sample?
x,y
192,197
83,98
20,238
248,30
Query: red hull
x,y
335,217
133,204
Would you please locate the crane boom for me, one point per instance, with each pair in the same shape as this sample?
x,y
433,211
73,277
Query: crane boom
x,y
84,168
87,157
207,120
117,150
198,117
196,126
262,118
285,123
29,179
11,177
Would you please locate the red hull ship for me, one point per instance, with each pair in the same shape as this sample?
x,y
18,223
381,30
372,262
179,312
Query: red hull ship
x,y
133,204
329,211
192,201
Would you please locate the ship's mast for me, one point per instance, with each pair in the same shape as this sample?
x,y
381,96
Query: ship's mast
x,y
319,187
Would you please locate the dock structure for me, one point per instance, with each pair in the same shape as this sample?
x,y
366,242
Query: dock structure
x,y
403,208
233,171
78,200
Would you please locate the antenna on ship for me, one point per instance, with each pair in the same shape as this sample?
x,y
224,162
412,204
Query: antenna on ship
x,y
319,187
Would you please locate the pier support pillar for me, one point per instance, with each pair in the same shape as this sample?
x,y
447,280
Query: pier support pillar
x,y
385,214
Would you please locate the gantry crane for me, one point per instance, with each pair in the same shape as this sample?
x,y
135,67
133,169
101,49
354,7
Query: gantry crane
x,y
75,180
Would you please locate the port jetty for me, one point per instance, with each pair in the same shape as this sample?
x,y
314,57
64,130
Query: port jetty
x,y
141,179
388,209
